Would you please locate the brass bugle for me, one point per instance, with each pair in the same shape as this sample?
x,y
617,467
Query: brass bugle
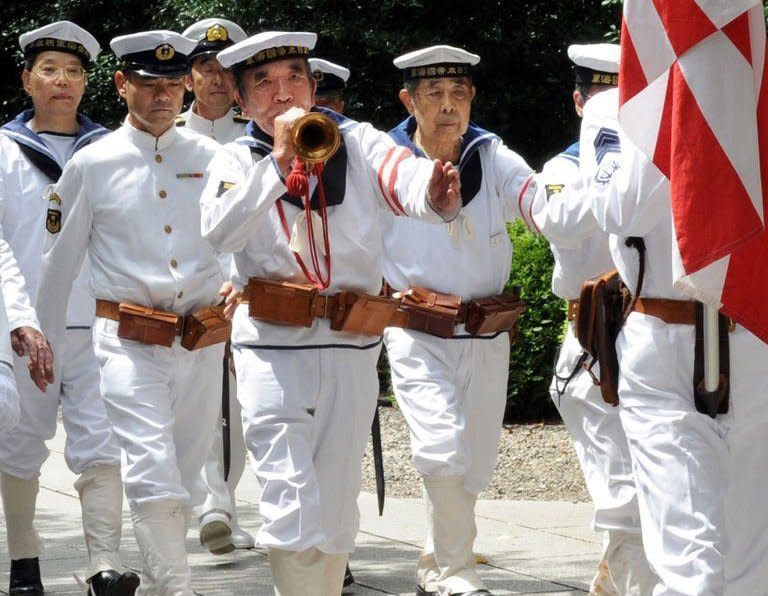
x,y
315,138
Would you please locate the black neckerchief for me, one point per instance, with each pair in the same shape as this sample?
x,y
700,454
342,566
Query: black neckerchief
x,y
469,166
37,152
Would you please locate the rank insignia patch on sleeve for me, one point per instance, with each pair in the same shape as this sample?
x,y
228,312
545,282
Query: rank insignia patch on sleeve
x,y
224,187
553,189
53,221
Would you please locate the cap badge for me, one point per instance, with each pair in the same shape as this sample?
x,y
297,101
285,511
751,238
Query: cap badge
x,y
164,52
216,33
319,76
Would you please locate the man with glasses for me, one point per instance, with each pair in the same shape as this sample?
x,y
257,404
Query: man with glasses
x,y
35,146
132,204
211,114
452,388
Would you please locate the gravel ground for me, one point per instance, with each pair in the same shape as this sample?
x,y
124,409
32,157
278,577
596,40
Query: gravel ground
x,y
536,462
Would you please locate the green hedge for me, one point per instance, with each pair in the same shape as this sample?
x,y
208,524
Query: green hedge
x,y
539,330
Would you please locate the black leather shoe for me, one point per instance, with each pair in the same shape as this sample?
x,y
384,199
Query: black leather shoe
x,y
349,579
112,583
25,578
424,592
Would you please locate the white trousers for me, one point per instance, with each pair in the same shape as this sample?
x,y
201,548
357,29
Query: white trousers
x,y
89,441
220,492
306,418
599,441
452,393
746,563
9,398
161,402
680,458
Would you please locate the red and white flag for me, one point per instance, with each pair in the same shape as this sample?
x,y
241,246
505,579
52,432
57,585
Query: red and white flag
x,y
694,99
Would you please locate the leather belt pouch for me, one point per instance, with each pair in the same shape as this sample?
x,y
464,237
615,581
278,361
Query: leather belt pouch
x,y
280,302
147,325
492,314
205,327
431,312
363,314
598,322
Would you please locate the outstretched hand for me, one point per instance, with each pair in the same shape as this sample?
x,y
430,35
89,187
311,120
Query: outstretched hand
x,y
444,190
28,340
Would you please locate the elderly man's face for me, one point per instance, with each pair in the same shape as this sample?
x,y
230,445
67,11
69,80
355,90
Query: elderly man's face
x,y
55,83
264,92
442,107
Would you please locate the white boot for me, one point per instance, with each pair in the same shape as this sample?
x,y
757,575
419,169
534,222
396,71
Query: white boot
x,y
101,501
160,529
240,538
427,570
628,565
335,568
300,573
19,501
453,534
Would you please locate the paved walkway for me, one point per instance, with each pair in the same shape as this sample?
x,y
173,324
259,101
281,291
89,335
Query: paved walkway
x,y
532,547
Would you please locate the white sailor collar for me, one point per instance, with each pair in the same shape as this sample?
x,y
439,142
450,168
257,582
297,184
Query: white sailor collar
x,y
145,140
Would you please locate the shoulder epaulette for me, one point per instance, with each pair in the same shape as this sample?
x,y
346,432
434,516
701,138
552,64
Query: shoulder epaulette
x,y
240,119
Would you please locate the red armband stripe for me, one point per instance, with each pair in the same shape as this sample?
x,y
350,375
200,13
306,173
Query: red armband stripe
x,y
393,179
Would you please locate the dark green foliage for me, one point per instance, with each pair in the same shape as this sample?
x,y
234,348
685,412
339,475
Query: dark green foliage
x,y
523,80
539,329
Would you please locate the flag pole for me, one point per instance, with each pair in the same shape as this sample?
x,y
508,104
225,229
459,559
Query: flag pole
x,y
711,348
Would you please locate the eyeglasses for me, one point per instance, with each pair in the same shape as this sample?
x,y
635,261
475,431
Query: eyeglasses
x,y
51,73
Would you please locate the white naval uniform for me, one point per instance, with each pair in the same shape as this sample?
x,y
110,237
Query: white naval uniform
x,y
221,492
9,395
308,394
22,215
131,203
452,391
680,456
91,448
581,252
224,129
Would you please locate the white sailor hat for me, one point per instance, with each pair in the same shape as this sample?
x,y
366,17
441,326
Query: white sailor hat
x,y
267,47
154,53
213,35
596,63
330,77
436,62
61,36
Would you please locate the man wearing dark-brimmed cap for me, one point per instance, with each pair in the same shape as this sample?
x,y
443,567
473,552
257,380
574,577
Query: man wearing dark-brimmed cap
x,y
131,203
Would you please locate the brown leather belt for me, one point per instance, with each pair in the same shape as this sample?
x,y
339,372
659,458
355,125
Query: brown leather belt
x,y
673,312
573,309
322,306
111,310
461,316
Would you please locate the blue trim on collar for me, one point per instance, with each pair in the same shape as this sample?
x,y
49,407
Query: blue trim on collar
x,y
474,138
18,130
573,151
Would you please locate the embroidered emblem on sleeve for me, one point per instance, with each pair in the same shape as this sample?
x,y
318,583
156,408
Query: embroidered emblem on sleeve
x,y
224,187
